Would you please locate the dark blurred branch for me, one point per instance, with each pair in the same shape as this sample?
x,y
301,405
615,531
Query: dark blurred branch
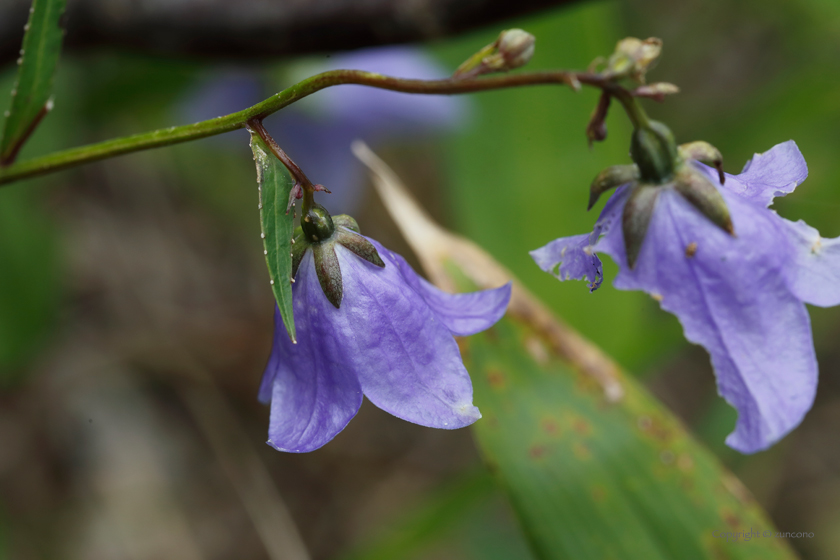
x,y
259,28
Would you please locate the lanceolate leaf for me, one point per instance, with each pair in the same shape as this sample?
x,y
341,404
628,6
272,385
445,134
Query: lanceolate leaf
x,y
590,479
274,185
33,86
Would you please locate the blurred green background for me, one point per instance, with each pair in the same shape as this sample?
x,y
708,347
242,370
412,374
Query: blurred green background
x,y
117,278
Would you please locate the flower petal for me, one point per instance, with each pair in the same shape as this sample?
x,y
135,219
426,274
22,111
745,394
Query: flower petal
x,y
406,360
313,389
731,297
776,172
571,258
814,272
575,255
462,314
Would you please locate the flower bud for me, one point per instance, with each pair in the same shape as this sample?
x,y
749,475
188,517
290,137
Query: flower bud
x,y
516,48
633,57
654,150
317,224
512,49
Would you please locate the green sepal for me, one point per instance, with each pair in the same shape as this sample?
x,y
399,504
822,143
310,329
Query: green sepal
x,y
703,152
359,246
329,272
654,150
610,178
638,211
343,220
704,196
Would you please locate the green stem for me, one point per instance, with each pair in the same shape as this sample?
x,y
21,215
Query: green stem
x,y
631,106
294,170
177,134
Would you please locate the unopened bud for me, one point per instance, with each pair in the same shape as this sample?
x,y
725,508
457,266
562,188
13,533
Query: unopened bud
x,y
317,224
516,47
633,57
654,150
512,49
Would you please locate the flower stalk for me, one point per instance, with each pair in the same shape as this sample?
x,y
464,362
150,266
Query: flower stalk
x,y
73,157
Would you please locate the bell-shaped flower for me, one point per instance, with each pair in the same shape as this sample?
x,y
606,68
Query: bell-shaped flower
x,y
739,292
367,324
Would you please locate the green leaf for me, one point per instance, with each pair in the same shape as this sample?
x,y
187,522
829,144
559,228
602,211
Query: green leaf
x,y
38,60
274,185
590,479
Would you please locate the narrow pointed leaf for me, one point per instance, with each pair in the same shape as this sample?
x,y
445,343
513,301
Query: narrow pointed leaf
x,y
274,185
329,272
636,219
33,86
696,189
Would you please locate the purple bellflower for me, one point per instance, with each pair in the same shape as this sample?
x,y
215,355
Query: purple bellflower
x,y
368,324
738,288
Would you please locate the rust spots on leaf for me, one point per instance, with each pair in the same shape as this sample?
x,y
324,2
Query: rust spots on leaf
x,y
656,428
537,452
550,426
731,519
496,379
685,462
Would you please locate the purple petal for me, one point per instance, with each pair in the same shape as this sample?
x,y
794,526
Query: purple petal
x,y
462,314
814,272
776,172
731,297
406,359
575,255
314,390
571,258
